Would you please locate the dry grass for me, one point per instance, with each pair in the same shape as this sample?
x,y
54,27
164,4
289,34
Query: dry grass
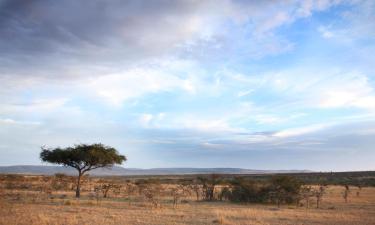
x,y
27,207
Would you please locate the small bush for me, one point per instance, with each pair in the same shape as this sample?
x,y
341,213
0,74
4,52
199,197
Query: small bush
x,y
67,202
280,190
244,191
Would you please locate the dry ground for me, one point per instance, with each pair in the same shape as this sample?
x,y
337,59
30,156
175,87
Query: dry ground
x,y
20,208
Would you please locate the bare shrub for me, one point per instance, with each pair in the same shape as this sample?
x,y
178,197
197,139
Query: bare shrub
x,y
178,192
60,182
130,188
196,188
104,188
208,186
151,191
358,190
319,193
96,194
345,193
305,194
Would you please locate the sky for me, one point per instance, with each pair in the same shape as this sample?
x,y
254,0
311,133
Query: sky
x,y
188,83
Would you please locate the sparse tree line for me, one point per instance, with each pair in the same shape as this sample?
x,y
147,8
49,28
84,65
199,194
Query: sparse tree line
x,y
278,190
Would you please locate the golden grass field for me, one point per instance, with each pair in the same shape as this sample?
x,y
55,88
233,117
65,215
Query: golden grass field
x,y
34,207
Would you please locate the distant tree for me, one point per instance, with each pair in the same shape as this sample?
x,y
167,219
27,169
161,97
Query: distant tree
x,y
346,192
83,158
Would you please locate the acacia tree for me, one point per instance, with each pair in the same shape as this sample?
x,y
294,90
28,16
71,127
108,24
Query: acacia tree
x,y
83,158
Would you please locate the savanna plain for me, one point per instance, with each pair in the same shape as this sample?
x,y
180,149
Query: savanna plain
x,y
209,199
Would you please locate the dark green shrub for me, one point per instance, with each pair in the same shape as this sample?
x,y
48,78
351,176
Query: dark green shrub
x,y
284,189
245,191
280,190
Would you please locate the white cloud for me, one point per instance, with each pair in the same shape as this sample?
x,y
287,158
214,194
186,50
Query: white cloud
x,y
325,32
207,125
145,119
320,88
307,7
244,93
347,90
212,145
148,120
134,83
268,119
300,130
42,106
278,19
202,124
8,121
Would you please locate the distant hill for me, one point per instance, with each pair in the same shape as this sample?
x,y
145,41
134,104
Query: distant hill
x,y
120,171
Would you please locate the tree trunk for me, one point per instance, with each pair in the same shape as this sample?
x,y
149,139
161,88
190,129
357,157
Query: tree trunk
x,y
105,192
78,188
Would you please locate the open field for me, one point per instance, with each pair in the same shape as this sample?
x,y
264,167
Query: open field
x,y
31,201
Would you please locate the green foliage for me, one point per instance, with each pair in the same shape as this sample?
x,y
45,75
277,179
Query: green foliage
x,y
61,176
147,181
279,189
284,189
225,193
246,191
83,157
362,178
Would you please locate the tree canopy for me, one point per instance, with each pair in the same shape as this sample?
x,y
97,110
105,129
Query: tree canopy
x,y
83,157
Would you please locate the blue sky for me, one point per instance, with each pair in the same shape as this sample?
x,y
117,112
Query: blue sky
x,y
251,84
